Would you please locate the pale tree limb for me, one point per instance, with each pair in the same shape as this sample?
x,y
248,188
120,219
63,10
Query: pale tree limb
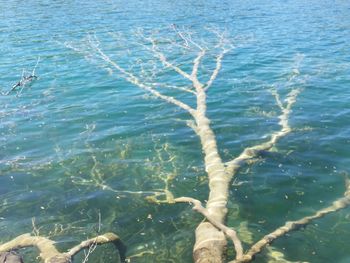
x,y
196,63
164,60
217,68
186,37
180,34
100,240
50,254
337,205
134,80
225,47
253,152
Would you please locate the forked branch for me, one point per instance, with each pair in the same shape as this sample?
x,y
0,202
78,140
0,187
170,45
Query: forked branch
x,y
254,151
217,68
160,55
133,79
128,75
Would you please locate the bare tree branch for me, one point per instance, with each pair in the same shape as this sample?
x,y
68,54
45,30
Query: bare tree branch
x,y
100,240
50,254
196,63
225,47
134,80
250,153
164,60
217,69
337,205
186,37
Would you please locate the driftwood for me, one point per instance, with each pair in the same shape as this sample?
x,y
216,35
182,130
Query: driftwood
x,y
50,254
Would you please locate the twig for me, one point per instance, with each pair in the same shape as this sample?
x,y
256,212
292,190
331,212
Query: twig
x,y
164,60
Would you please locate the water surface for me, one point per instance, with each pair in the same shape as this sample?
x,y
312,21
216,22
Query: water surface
x,y
81,148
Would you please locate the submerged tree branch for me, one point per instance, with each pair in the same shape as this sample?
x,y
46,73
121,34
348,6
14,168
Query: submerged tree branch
x,y
217,68
164,60
250,153
337,205
95,44
50,254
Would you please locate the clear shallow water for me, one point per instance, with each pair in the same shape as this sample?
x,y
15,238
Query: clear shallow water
x,y
80,138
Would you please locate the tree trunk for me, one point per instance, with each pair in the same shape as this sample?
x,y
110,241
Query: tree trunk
x,y
211,243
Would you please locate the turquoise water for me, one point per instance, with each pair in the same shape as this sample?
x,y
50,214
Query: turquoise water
x,y
81,148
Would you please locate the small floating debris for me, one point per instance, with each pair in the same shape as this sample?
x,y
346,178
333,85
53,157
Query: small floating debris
x,y
26,79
